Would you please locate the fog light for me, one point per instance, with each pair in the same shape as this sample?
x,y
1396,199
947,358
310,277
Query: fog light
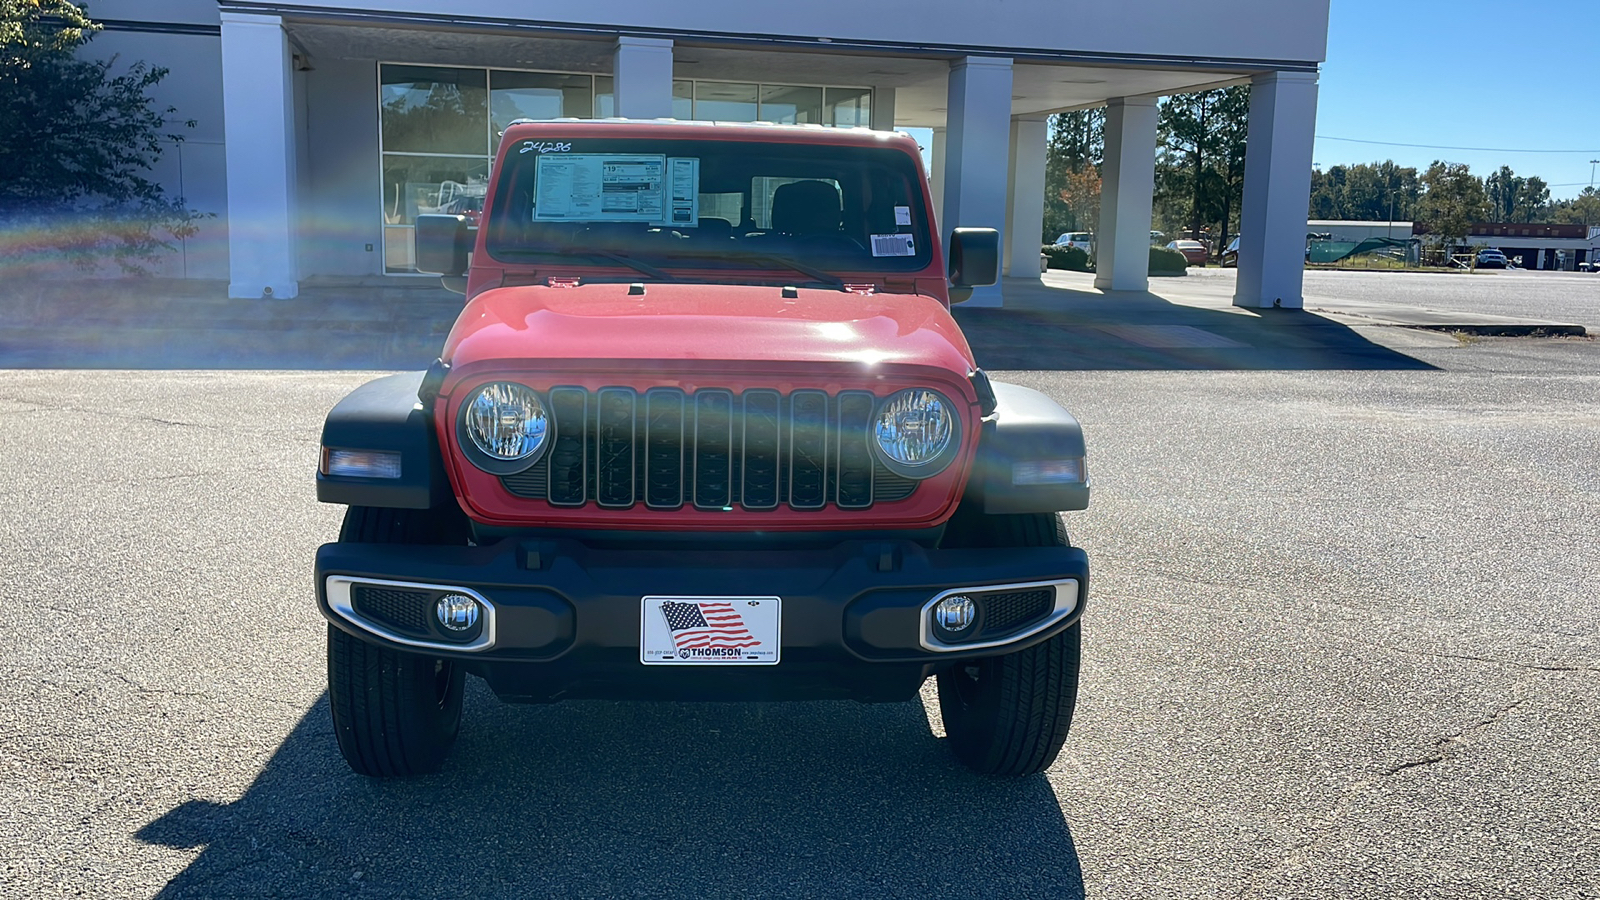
x,y
457,612
955,614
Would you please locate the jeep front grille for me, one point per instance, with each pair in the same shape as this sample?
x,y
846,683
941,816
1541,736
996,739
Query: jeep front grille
x,y
712,449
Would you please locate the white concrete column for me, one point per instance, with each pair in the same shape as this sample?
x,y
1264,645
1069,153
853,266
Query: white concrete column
x,y
1277,188
883,109
643,70
978,141
936,156
1127,189
1025,200
259,134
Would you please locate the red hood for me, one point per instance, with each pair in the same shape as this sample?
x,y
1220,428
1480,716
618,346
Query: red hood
x,y
716,322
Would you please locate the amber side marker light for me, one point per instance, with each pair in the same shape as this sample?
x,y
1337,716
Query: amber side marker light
x,y
361,463
1050,471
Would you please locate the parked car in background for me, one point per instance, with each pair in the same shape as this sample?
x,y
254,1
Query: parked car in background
x,y
1156,237
1491,259
1230,256
1083,240
1194,251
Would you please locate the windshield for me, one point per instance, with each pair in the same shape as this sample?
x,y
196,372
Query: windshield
x,y
711,204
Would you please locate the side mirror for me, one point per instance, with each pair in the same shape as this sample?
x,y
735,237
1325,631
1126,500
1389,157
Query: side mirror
x,y
442,244
974,257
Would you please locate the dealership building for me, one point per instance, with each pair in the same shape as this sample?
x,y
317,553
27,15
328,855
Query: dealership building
x,y
322,129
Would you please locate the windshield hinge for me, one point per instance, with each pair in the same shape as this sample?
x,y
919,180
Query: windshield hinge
x,y
557,281
867,289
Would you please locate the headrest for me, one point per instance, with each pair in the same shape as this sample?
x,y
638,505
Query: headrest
x,y
806,207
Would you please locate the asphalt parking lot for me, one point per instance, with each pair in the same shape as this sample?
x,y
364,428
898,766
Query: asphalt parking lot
x,y
1342,642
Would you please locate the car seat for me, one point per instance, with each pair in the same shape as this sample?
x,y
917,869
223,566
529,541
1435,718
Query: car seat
x,y
806,208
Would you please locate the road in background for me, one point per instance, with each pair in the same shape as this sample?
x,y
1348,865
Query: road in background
x,y
1341,642
1553,296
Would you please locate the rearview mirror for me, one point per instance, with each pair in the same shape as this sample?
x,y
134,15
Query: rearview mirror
x,y
974,257
442,244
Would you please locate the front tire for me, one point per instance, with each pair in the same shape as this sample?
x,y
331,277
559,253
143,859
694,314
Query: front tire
x,y
1010,714
394,714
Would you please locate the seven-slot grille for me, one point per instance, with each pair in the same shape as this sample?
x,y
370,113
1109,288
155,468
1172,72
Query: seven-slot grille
x,y
711,449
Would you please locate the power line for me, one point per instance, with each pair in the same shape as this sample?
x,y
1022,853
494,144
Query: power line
x,y
1324,137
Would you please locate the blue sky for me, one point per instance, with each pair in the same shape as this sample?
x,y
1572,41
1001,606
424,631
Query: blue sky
x,y
1466,73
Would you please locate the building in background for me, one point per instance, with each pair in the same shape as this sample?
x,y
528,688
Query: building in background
x,y
1356,232
324,128
1556,247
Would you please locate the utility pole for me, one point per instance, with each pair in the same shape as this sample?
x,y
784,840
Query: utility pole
x,y
1389,233
1592,164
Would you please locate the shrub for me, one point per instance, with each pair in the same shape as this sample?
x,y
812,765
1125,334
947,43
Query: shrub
x,y
77,148
1071,258
1168,262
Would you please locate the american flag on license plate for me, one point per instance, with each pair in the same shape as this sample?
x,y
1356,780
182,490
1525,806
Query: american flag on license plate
x,y
706,624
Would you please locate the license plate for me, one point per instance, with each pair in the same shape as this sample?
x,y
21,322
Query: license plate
x,y
709,631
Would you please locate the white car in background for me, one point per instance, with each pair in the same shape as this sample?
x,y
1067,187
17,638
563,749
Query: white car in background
x,y
1083,240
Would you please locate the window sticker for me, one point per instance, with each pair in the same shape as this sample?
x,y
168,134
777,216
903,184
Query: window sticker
x,y
893,245
902,215
648,188
684,172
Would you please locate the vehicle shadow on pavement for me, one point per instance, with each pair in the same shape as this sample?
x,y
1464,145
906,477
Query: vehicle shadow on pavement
x,y
1055,328
592,799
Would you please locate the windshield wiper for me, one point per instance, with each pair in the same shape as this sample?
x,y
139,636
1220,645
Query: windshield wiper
x,y
816,274
628,261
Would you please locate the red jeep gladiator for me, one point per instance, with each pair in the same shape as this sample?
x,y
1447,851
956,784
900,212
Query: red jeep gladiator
x,y
704,430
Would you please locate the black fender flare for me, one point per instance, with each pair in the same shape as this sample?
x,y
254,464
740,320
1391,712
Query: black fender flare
x,y
386,415
1026,426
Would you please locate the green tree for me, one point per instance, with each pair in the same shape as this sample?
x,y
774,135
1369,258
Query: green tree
x,y
1233,132
1583,209
1452,200
1077,145
1200,159
1515,199
78,144
1366,192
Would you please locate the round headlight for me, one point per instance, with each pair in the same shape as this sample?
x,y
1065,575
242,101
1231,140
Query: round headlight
x,y
505,422
916,433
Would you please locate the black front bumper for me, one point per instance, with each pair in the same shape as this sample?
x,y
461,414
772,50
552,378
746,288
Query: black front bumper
x,y
566,615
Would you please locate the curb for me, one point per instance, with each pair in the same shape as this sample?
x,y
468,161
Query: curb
x,y
1513,329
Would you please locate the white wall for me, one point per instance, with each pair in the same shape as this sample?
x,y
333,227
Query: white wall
x,y
1251,29
195,170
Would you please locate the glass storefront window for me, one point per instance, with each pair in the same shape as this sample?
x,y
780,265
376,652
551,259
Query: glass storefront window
x,y
605,98
849,107
439,127
683,100
427,109
791,105
726,102
413,185
537,95
432,184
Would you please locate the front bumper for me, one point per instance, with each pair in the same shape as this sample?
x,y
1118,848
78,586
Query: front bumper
x,y
562,617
